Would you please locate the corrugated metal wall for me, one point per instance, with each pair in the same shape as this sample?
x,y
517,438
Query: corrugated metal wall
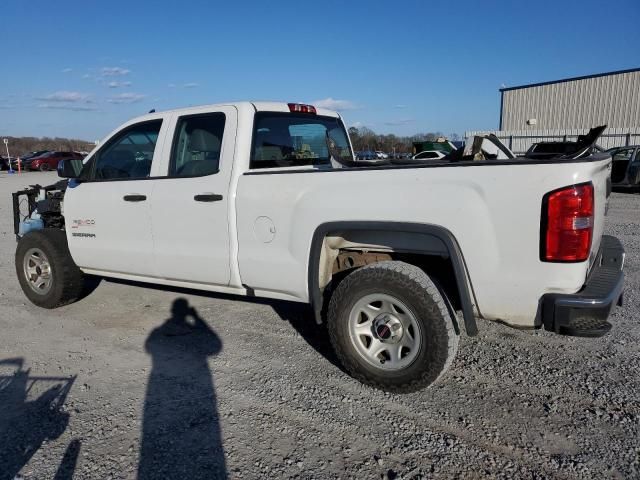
x,y
519,141
612,100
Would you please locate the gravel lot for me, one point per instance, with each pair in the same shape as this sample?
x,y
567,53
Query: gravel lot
x,y
253,390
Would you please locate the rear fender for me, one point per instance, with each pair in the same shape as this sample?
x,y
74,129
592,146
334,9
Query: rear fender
x,y
397,236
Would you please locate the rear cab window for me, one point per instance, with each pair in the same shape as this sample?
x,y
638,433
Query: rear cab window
x,y
283,140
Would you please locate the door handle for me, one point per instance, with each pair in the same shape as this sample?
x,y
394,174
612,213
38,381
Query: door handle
x,y
134,197
207,197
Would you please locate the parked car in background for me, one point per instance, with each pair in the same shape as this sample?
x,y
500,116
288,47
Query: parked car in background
x,y
625,169
429,155
27,156
380,154
48,161
366,155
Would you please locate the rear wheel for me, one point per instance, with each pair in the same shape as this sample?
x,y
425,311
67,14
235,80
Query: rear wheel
x,y
46,272
44,167
390,327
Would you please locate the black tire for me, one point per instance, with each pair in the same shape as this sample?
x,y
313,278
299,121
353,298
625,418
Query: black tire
x,y
67,281
44,167
411,286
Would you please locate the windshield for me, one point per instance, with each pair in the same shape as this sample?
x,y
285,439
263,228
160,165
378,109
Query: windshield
x,y
287,139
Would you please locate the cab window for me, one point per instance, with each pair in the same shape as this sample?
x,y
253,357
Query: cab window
x,y
286,140
128,155
197,145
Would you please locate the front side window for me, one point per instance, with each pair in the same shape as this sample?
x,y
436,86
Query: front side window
x,y
197,145
128,155
286,140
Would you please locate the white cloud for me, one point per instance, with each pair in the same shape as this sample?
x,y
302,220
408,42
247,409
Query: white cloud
x,y
172,85
65,96
114,71
67,70
402,121
62,106
191,85
127,98
86,75
118,84
334,104
400,106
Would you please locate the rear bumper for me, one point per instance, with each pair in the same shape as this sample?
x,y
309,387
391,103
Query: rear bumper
x,y
585,313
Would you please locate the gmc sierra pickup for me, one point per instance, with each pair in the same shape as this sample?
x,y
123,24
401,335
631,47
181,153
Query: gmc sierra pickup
x,y
266,199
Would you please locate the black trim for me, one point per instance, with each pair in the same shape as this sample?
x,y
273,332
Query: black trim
x,y
207,197
457,260
598,157
572,79
585,313
134,198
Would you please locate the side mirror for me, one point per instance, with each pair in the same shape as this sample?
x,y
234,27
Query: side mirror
x,y
70,168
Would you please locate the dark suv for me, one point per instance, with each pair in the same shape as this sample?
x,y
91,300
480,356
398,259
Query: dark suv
x,y
49,160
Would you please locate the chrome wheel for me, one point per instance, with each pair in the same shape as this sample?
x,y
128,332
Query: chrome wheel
x,y
384,331
37,271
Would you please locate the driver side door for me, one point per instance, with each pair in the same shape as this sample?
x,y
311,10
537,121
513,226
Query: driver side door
x,y
107,211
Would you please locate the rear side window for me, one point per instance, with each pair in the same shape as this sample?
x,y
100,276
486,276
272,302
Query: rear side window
x,y
286,140
197,145
129,154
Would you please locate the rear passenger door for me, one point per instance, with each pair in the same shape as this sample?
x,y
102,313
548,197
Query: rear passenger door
x,y
191,204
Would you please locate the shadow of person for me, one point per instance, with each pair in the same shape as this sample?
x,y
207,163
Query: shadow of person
x,y
180,427
26,424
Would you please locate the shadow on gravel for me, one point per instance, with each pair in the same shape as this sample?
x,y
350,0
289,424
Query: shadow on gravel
x,y
299,315
180,430
26,424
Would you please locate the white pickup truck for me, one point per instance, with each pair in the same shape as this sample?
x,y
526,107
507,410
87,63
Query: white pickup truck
x,y
266,199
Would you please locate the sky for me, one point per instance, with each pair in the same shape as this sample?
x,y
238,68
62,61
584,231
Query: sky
x,y
80,68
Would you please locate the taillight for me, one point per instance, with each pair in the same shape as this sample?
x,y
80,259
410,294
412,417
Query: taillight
x,y
567,224
300,108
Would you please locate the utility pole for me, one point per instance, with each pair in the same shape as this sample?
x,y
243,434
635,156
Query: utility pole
x,y
6,145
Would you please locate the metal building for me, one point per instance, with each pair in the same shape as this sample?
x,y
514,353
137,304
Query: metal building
x,y
611,99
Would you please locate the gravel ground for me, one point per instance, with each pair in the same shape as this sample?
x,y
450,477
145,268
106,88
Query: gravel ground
x,y
118,385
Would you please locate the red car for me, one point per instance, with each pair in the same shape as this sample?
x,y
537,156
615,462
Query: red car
x,y
49,160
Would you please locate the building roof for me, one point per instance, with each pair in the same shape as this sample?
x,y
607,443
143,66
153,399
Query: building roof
x,y
617,72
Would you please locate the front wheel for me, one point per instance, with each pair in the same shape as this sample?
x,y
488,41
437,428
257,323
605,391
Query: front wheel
x,y
390,327
46,272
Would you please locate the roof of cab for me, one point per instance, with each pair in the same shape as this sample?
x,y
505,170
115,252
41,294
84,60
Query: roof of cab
x,y
258,106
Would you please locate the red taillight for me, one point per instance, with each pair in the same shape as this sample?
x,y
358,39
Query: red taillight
x,y
567,224
300,108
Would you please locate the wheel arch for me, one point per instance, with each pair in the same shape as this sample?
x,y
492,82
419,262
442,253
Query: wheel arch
x,y
412,238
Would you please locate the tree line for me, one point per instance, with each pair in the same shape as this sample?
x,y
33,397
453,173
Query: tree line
x,y
365,139
22,145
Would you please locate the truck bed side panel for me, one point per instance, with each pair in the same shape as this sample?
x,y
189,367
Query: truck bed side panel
x,y
492,210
